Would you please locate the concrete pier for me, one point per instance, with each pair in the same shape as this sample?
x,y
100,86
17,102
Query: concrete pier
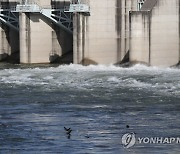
x,y
9,39
40,40
155,33
9,42
4,45
103,36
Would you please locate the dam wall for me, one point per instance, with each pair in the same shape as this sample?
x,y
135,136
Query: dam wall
x,y
41,41
155,33
91,31
103,36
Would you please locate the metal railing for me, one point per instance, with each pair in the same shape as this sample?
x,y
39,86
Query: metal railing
x,y
61,17
77,8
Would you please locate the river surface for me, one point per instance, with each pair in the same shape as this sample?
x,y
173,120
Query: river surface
x,y
99,103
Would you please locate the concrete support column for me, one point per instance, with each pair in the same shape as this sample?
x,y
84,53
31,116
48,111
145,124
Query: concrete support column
x,y
165,33
4,44
78,47
122,21
25,41
140,37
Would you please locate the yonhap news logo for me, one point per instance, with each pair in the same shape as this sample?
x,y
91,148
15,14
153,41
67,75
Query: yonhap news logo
x,y
130,139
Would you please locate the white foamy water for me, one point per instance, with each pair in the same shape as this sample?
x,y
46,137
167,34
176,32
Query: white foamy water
x,y
90,77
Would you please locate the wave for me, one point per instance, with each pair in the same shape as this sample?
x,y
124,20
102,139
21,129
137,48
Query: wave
x,y
92,76
77,67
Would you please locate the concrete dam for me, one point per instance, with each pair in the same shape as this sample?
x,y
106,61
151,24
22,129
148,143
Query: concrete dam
x,y
91,31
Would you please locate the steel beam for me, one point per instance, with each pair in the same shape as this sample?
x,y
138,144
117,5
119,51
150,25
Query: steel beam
x,y
60,18
9,18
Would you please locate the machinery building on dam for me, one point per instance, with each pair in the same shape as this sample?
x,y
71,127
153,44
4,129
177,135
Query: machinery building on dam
x,y
91,31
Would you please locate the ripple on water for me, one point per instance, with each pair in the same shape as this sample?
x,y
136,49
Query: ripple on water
x,y
97,102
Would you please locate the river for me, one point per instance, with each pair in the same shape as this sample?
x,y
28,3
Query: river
x,y
99,103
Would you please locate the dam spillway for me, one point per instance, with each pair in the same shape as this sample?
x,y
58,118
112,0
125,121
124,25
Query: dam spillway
x,y
91,31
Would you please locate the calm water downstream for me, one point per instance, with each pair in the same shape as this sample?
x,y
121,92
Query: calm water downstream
x,y
97,102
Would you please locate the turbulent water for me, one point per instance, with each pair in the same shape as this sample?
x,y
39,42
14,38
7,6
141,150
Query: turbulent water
x,y
96,102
